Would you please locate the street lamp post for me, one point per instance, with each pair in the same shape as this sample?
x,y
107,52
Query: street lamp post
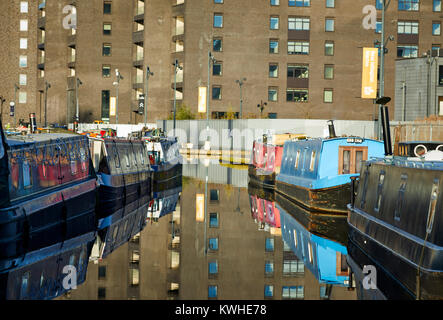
x,y
16,88
240,83
78,82
117,83
148,74
47,86
176,68
261,106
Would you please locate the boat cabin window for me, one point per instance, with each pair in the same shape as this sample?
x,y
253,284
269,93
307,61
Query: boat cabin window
x,y
295,238
312,164
24,288
432,205
297,159
27,174
350,159
310,254
73,163
116,158
128,164
83,158
381,180
400,197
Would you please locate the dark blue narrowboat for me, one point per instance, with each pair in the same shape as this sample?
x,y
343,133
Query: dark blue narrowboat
x,y
324,258
50,272
396,221
47,188
316,173
165,159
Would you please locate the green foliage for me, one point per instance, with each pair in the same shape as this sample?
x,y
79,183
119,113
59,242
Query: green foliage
x,y
183,113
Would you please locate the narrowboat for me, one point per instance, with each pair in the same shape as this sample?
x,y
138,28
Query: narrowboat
x,y
330,225
164,203
324,258
266,158
396,221
165,159
48,273
124,176
264,212
47,190
316,173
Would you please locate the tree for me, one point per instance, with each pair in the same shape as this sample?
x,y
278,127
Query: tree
x,y
183,113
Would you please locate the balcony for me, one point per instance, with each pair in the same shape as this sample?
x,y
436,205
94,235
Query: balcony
x,y
41,66
41,45
72,40
138,37
41,23
71,62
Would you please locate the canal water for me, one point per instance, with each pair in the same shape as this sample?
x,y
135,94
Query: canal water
x,y
246,245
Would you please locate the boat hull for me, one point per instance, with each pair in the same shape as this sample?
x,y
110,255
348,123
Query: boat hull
x,y
261,178
333,199
167,176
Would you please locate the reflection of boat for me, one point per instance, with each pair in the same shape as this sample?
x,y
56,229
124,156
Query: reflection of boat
x,y
316,172
264,212
266,158
262,193
164,203
396,220
332,226
386,287
326,259
165,159
47,192
47,273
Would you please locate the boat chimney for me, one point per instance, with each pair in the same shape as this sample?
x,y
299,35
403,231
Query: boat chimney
x,y
385,124
331,129
32,122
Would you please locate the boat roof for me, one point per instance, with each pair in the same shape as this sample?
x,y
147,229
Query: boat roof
x,y
408,162
38,138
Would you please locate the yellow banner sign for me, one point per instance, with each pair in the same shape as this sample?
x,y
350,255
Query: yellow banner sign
x,y
202,99
200,207
112,107
369,73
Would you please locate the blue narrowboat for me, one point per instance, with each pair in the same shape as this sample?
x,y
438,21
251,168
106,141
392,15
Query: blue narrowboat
x,y
324,258
47,188
395,218
50,272
316,173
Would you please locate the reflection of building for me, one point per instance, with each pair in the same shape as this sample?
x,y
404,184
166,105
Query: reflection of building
x,y
419,87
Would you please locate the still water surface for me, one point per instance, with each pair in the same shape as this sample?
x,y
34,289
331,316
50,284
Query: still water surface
x,y
246,245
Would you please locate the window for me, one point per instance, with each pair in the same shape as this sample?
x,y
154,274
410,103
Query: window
x,y
381,179
294,292
273,70
312,164
328,95
432,205
408,5
292,267
214,195
24,25
275,2
297,95
107,29
213,220
27,174
217,44
212,292
273,23
379,4
297,159
269,291
269,244
400,197
436,28
218,20
23,61
440,76
330,3
273,46
101,293
102,272
24,7
436,6
107,7
23,43
298,23
213,244
297,47
329,25
213,267
269,268
298,71
272,115
24,288
106,71
350,159
329,48
299,3
216,93
329,71
217,68
105,104
107,49
272,94
135,256
218,1
23,79
407,27
378,26
407,51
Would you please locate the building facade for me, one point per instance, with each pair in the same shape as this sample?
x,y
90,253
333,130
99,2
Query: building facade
x,y
271,58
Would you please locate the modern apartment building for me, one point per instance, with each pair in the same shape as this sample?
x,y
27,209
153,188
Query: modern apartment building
x,y
300,58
